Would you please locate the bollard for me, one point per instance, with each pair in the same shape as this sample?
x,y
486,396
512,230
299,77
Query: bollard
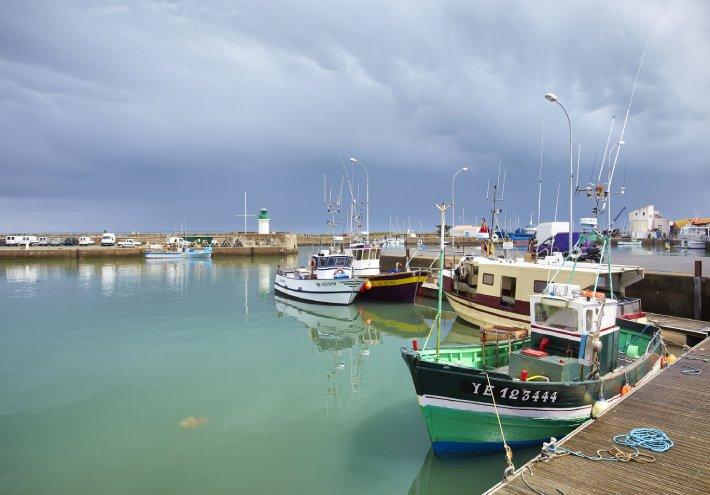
x,y
698,289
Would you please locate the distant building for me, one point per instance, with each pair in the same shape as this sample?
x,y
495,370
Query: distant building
x,y
263,221
646,220
466,230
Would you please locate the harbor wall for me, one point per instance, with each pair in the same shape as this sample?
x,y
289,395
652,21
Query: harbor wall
x,y
227,244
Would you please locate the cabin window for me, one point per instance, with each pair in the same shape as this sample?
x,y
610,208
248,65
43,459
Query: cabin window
x,y
340,261
357,254
367,254
321,262
539,286
473,279
377,253
488,278
331,262
556,317
507,290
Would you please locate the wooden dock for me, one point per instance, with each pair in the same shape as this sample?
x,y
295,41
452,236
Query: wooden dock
x,y
674,402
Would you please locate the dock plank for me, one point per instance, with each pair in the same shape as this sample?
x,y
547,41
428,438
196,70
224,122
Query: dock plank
x,y
676,403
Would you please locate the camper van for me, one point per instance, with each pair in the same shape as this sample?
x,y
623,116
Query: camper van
x,y
12,240
85,241
26,239
42,241
108,239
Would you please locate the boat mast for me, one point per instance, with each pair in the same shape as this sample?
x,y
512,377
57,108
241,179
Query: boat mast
x,y
539,184
442,208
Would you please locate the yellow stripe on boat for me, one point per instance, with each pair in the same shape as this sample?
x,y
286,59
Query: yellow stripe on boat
x,y
397,281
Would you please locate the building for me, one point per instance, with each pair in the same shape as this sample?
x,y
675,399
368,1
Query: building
x,y
263,221
465,231
647,220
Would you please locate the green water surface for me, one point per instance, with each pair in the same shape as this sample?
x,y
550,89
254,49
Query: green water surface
x,y
165,377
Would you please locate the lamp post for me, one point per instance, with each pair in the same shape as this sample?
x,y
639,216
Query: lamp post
x,y
552,97
453,207
367,195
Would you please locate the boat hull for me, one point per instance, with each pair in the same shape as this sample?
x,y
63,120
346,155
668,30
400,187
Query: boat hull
x,y
325,291
207,253
398,287
457,402
480,314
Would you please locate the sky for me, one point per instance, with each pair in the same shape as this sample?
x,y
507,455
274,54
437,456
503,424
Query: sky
x,y
134,116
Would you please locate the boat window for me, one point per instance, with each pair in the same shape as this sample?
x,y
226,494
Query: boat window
x,y
340,261
377,253
322,262
539,286
331,261
556,317
367,254
507,290
488,278
357,254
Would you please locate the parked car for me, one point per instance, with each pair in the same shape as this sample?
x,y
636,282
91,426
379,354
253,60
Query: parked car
x,y
129,243
70,241
108,239
54,241
85,241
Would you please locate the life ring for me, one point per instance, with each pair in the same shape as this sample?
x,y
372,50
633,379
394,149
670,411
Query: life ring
x,y
589,294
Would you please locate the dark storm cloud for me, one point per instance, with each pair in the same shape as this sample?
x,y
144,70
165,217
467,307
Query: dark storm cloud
x,y
174,107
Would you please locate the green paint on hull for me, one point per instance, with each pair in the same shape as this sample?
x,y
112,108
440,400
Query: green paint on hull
x,y
453,425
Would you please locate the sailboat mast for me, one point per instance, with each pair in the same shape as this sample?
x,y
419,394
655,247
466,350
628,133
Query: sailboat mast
x,y
539,184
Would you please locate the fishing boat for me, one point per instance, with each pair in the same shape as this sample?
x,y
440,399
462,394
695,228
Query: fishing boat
x,y
399,285
179,252
496,291
328,279
630,242
694,236
577,361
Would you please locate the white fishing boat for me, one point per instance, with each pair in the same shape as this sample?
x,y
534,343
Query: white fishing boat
x,y
327,280
694,236
629,242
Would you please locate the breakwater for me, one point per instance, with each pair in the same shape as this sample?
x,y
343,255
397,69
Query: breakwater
x,y
225,244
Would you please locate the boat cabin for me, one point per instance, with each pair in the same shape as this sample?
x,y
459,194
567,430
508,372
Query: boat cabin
x,y
366,259
571,330
327,265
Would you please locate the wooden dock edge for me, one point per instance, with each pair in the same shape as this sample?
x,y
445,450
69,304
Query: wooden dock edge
x,y
518,472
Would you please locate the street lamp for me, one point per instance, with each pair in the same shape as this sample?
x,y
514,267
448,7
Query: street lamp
x,y
367,196
453,206
552,97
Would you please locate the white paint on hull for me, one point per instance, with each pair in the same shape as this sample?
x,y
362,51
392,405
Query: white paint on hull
x,y
333,291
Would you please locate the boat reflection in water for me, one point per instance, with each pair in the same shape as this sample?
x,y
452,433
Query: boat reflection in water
x,y
464,474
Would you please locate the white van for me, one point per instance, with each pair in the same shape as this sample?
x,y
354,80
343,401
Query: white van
x,y
85,241
12,240
42,241
108,239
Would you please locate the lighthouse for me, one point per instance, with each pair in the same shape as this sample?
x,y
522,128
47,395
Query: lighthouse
x,y
263,221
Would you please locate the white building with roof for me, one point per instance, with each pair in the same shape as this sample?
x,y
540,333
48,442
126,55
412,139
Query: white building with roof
x,y
645,220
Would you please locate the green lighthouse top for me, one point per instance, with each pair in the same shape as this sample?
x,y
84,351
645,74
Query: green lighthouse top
x,y
263,214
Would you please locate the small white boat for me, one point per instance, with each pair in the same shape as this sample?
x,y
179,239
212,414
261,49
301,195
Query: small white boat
x,y
180,253
694,236
632,242
327,280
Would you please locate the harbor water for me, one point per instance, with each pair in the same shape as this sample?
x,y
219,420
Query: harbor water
x,y
182,377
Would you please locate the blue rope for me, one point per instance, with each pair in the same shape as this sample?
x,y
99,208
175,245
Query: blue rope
x,y
647,438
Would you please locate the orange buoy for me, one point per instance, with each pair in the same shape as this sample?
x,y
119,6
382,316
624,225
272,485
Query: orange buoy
x,y
625,389
670,359
368,285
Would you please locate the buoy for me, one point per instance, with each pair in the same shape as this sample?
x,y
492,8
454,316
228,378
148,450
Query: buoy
x,y
599,406
670,359
524,375
625,389
415,345
368,285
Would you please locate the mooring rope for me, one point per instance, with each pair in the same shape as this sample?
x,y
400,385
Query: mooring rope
x,y
652,439
510,470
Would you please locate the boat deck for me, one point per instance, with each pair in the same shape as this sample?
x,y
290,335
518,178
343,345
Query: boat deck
x,y
676,403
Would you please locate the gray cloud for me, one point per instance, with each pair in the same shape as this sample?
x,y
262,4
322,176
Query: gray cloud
x,y
174,107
